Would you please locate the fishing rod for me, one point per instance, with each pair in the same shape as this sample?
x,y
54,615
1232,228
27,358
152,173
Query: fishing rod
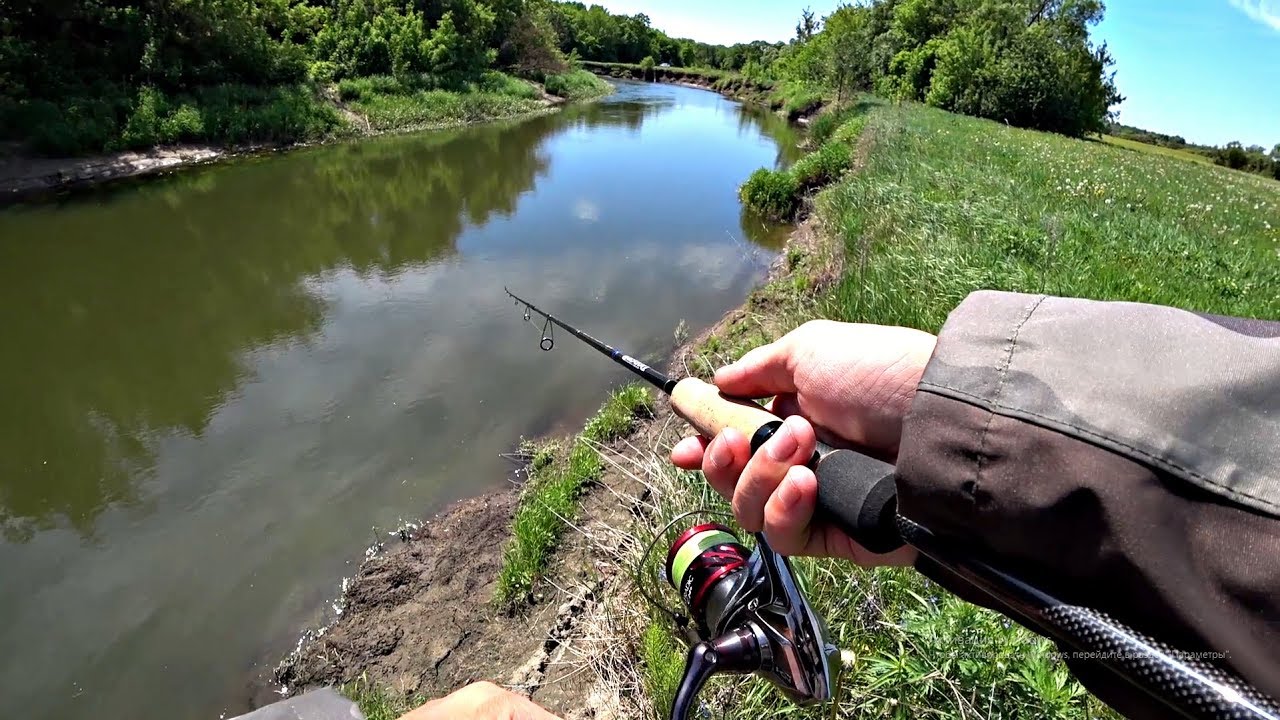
x,y
752,615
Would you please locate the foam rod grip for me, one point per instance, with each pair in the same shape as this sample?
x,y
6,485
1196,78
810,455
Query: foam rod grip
x,y
858,494
703,406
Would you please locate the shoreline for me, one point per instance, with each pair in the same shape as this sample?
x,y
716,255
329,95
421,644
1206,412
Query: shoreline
x,y
385,639
26,178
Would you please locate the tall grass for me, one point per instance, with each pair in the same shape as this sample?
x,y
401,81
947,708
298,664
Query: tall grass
x,y
392,103
558,473
577,85
780,194
379,703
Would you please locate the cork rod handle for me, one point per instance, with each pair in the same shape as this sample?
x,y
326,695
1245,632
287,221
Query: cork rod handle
x,y
703,406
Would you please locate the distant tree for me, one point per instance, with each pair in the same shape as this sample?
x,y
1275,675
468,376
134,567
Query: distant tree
x,y
531,46
807,27
844,48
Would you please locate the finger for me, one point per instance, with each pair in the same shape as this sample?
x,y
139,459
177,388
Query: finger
x,y
687,454
785,405
792,444
760,373
724,460
788,514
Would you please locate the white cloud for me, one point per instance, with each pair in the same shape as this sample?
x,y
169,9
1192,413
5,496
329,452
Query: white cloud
x,y
1266,12
586,211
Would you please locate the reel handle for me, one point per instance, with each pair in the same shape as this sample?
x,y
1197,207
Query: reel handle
x,y
856,493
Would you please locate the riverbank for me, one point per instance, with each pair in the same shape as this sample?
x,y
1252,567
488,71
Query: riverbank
x,y
351,109
930,207
797,104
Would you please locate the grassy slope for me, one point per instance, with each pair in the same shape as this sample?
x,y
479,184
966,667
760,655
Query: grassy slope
x,y
943,206
229,115
388,104
558,473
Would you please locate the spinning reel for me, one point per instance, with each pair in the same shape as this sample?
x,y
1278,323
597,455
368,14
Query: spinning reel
x,y
750,615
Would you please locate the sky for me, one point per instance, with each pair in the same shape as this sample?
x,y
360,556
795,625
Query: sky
x,y
1208,70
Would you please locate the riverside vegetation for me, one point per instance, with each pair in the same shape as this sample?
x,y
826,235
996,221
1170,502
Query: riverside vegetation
x,y
940,206
914,208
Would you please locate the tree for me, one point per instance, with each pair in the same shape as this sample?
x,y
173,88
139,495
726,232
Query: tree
x,y
844,47
807,27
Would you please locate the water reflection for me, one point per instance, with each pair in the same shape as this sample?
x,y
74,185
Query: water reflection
x,y
132,314
215,384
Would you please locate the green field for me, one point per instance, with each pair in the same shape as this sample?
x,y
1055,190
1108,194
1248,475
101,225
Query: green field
x,y
943,206
1157,149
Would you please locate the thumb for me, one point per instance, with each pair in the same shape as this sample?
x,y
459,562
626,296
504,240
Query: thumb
x,y
763,372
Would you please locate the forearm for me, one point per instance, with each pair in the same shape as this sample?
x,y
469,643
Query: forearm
x,y
1119,456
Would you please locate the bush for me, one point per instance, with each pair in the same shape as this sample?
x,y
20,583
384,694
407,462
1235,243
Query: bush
x,y
577,85
77,126
772,193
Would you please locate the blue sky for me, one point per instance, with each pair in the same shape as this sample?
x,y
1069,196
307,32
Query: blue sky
x,y
1205,69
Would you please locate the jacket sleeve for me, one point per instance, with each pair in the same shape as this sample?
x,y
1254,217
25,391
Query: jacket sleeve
x,y
1120,456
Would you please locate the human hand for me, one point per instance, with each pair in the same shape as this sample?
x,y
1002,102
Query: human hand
x,y
851,385
480,701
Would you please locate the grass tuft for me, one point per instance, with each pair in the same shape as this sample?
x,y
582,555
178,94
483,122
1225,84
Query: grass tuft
x,y
779,194
557,476
577,85
378,703
662,665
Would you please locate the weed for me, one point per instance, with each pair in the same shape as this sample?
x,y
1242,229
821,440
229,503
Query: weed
x,y
378,703
557,476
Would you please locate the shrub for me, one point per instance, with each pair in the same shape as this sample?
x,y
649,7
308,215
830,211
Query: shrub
x,y
577,85
772,193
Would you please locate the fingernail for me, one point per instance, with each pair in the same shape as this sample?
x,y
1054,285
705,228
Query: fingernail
x,y
788,494
721,456
782,445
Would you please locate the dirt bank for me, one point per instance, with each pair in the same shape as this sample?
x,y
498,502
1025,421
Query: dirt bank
x,y
418,618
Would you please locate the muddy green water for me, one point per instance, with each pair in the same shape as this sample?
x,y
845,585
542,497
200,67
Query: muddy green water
x,y
218,388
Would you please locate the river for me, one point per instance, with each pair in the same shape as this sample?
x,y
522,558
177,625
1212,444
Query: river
x,y
219,387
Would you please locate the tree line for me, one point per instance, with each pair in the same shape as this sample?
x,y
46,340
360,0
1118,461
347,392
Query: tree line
x,y
76,72
83,75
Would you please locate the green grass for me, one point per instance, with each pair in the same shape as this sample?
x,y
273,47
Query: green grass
x,y
391,104
779,194
947,205
577,85
943,206
1157,149
796,100
378,703
662,666
558,473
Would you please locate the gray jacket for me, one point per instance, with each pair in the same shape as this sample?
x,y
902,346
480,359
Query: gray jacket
x,y
1121,456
